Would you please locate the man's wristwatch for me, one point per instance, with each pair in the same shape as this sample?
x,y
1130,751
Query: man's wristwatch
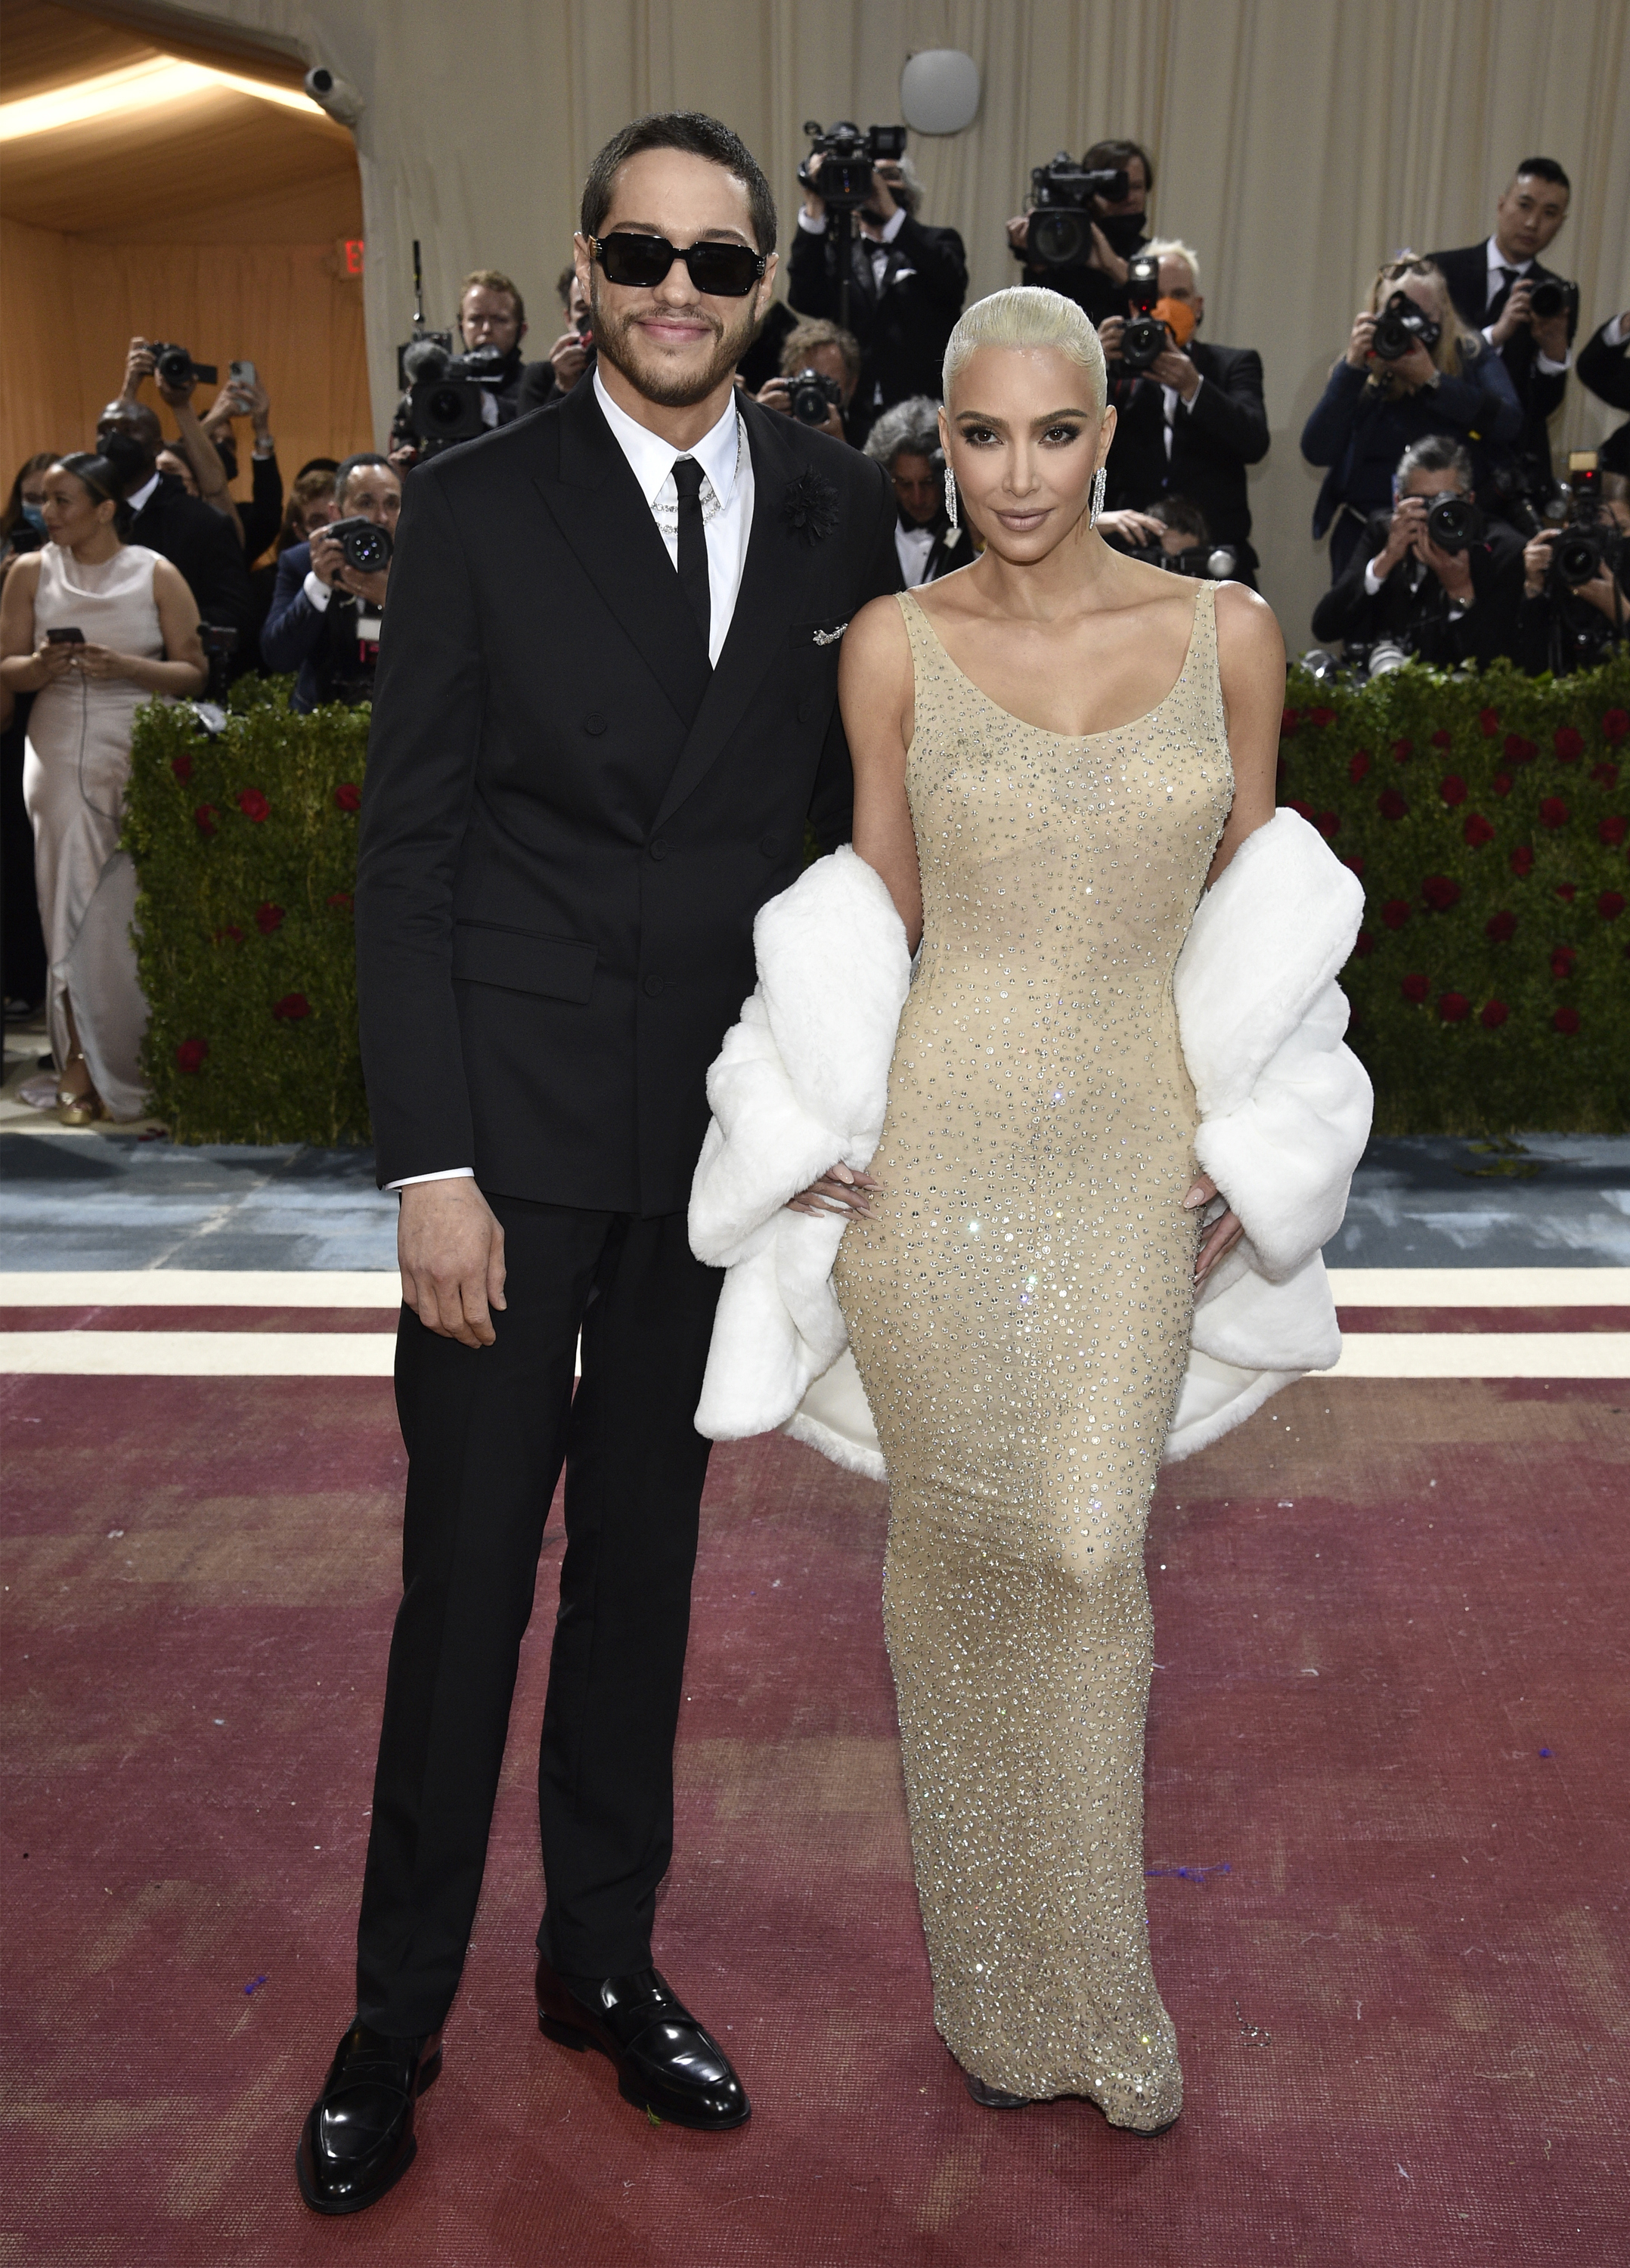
x,y
265,445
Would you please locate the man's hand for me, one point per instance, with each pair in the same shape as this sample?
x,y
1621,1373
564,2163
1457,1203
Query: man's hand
x,y
1224,1232
568,359
1409,516
885,180
370,587
327,559
450,1248
138,364
1416,368
1134,528
1101,256
1112,330
1550,335
839,1189
1537,561
1453,569
1515,315
404,456
1362,339
1172,367
815,204
1019,232
1602,593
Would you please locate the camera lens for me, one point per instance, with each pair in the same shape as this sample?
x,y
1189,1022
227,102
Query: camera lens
x,y
1451,523
366,548
1143,341
1577,560
1058,239
1548,297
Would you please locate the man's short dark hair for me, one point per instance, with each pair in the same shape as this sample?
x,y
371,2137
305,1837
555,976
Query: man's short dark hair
x,y
1545,169
701,137
1120,153
1181,516
347,466
1437,453
493,279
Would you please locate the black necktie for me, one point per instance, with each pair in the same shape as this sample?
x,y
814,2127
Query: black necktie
x,y
1497,305
693,544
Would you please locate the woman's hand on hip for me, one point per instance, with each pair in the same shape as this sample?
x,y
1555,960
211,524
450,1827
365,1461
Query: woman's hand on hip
x,y
839,1189
1224,1232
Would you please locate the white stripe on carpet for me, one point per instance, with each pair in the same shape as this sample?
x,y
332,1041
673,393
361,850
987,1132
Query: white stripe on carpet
x,y
202,1287
1483,1354
1481,1287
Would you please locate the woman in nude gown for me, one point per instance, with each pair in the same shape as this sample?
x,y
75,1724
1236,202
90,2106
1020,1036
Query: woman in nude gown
x,y
1055,751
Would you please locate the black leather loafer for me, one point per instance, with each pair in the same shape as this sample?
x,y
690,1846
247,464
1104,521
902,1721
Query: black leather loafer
x,y
358,2135
666,2063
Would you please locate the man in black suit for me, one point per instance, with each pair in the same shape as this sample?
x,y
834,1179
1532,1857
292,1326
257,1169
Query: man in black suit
x,y
907,284
205,545
1493,284
606,706
326,615
1445,604
1605,369
1117,229
1191,424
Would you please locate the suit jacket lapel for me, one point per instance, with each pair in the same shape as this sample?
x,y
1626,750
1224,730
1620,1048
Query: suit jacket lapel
x,y
775,576
597,504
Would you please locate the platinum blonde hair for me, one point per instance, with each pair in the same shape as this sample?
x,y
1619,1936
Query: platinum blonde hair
x,y
1023,316
1173,247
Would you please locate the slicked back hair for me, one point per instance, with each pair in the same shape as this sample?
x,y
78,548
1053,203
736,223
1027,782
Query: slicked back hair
x,y
1545,169
694,132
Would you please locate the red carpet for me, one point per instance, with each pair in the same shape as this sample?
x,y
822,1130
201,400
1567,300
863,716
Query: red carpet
x,y
1390,1722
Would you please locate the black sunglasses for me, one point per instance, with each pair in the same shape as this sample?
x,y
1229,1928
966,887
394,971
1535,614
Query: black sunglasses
x,y
723,271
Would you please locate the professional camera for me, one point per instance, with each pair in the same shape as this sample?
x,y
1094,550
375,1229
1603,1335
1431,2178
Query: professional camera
x,y
220,641
1145,337
847,158
1061,208
445,390
812,396
176,367
1454,523
1206,562
366,545
1553,295
1400,326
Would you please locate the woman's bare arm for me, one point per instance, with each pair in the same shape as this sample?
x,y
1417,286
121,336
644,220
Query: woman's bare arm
x,y
1251,660
23,669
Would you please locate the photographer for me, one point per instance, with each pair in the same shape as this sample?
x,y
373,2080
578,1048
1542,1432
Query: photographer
x,y
492,323
1605,369
570,356
905,442
327,609
1526,313
1410,369
205,543
209,482
907,284
829,357
1438,585
245,396
1574,606
1097,282
1190,421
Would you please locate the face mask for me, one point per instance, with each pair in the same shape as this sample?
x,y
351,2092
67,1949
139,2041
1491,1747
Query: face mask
x,y
34,516
1178,317
1124,231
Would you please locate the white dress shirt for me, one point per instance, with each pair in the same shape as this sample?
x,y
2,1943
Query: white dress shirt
x,y
727,496
877,246
913,546
1498,266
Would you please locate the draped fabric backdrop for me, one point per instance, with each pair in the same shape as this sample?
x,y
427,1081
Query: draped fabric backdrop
x,y
1297,142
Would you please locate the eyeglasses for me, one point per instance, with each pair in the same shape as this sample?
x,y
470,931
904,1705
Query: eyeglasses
x,y
722,271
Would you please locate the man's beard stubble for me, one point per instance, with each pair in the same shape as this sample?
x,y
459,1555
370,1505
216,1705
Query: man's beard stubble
x,y
617,339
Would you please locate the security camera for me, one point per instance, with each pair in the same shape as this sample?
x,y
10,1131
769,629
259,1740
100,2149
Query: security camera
x,y
336,95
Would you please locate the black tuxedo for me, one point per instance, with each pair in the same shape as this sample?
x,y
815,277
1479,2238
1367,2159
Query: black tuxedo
x,y
1416,612
569,822
1212,442
1604,369
208,549
903,327
1466,271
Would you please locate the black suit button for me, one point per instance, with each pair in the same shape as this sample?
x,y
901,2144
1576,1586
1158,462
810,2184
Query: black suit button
x,y
770,845
659,849
594,721
652,988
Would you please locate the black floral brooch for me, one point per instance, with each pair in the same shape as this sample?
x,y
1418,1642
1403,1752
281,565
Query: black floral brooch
x,y
810,507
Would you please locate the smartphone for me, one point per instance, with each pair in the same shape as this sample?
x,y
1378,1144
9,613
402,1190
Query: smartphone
x,y
65,637
242,373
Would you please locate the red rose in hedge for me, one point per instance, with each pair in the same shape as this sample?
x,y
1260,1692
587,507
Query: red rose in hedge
x,y
1295,802
1364,943
1567,1020
1453,790
1290,719
1521,861
1516,750
1502,783
1495,1014
1569,744
253,804
1390,803
1443,737
1440,891
342,899
204,819
1402,751
1616,726
1604,774
1552,811
1488,722
1454,1007
1477,830
1415,989
1610,905
291,1007
1328,824
1357,764
190,1055
1501,928
1321,717
348,795
232,935
1562,959
183,767
1396,912
1611,831
268,918
1567,892
1357,865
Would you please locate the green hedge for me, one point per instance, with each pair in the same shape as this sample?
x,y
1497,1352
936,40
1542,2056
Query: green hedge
x,y
1487,817
246,853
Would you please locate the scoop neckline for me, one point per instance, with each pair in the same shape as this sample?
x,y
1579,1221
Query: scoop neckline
x,y
1106,731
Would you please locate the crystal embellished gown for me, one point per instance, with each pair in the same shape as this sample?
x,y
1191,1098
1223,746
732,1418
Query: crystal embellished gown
x,y
1019,1306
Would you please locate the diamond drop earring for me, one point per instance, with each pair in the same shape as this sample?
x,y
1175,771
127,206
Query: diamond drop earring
x,y
950,499
1100,482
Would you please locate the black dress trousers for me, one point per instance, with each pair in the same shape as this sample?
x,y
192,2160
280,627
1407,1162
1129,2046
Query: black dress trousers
x,y
487,1430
